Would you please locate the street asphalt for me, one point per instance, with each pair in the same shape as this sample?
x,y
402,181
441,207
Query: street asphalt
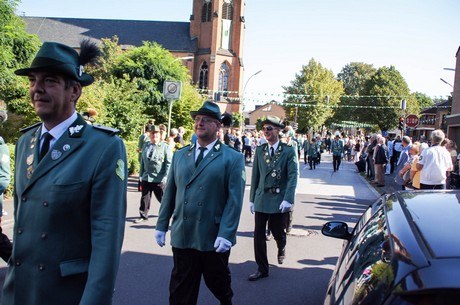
x,y
322,196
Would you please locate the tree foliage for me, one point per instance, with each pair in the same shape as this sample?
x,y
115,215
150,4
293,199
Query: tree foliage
x,y
17,47
382,95
314,90
353,76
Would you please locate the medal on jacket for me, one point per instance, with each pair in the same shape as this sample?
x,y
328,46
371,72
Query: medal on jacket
x,y
271,161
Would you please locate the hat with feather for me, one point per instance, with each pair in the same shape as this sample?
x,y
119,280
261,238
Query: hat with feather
x,y
57,57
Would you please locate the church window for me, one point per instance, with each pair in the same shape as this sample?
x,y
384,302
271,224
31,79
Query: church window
x,y
204,72
206,13
223,79
227,10
227,16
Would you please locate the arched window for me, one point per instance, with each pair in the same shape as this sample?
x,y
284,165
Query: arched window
x,y
223,79
206,11
204,72
227,10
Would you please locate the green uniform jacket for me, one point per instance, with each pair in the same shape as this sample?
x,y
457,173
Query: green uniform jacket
x,y
69,216
155,167
273,179
337,147
204,202
4,170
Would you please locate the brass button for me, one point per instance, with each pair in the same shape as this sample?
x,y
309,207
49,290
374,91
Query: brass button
x,y
45,204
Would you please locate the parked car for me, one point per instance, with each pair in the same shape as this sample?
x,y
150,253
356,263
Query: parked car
x,y
405,249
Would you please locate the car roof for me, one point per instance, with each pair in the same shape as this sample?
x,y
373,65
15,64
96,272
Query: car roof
x,y
435,215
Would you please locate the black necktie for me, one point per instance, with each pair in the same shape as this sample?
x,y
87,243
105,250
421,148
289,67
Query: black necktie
x,y
272,152
45,146
200,155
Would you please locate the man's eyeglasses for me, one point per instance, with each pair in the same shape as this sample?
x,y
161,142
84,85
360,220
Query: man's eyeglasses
x,y
204,119
268,128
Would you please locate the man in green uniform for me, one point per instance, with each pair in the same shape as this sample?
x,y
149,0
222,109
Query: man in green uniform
x,y
5,176
155,162
337,152
273,185
203,196
70,191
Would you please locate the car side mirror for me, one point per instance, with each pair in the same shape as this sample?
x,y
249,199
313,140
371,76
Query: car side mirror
x,y
336,229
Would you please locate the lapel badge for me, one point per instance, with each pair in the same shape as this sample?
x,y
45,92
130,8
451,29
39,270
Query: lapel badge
x,y
30,171
75,129
55,154
30,159
66,147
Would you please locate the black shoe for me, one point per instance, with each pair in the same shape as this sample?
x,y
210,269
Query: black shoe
x,y
257,276
281,256
140,219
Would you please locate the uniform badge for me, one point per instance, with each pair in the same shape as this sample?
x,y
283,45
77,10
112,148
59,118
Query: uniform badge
x,y
66,147
30,160
75,129
120,171
55,154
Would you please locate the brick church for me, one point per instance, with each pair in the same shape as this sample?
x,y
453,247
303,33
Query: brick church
x,y
210,45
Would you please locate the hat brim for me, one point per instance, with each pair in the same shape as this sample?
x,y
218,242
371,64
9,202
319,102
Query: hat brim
x,y
273,123
67,70
207,113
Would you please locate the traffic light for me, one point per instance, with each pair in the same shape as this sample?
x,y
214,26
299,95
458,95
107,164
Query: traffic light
x,y
401,123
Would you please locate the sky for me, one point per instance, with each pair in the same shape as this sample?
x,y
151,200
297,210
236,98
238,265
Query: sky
x,y
420,38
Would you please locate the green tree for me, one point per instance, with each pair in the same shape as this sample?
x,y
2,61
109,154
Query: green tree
x,y
16,49
423,100
382,95
353,76
315,92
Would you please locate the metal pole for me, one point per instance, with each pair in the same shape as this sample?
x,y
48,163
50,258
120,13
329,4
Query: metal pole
x,y
169,116
242,101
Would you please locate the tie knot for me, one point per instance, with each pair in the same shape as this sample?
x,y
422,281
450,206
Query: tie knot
x,y
202,149
47,136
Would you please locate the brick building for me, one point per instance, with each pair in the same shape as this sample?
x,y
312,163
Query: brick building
x,y
453,120
212,42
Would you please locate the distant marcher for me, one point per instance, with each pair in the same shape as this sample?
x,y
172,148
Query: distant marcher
x,y
337,152
312,154
434,163
153,174
5,243
180,136
203,197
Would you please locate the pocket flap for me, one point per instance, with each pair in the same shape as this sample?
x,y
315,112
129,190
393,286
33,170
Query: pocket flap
x,y
74,267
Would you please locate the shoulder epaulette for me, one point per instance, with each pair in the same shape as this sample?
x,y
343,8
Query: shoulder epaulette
x,y
183,147
30,127
109,130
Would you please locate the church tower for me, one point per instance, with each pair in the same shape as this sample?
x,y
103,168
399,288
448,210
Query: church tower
x,y
218,27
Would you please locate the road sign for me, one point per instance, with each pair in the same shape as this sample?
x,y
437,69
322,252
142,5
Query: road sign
x,y
412,120
172,90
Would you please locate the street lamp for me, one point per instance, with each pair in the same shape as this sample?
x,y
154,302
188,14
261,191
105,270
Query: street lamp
x,y
242,100
446,82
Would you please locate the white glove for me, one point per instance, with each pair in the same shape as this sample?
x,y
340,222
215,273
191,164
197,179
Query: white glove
x,y
251,207
222,245
160,237
163,184
140,179
285,206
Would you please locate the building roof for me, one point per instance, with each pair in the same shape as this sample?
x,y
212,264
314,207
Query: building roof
x,y
173,36
434,109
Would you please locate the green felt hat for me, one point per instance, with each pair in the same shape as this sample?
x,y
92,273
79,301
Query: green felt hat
x,y
210,109
60,58
273,120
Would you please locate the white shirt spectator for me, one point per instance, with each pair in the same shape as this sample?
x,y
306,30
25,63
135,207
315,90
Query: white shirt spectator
x,y
436,160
